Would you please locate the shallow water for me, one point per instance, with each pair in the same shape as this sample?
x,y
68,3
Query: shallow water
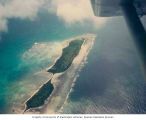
x,y
19,63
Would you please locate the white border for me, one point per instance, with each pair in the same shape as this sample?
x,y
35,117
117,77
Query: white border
x,y
73,117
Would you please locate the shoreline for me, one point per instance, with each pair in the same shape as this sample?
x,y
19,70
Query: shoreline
x,y
76,66
84,62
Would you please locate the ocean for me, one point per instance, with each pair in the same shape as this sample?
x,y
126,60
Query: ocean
x,y
110,82
20,37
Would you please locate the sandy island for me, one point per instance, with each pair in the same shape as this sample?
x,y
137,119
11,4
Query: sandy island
x,y
63,82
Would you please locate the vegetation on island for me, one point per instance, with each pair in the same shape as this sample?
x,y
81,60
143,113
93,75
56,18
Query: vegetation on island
x,y
39,98
62,64
67,57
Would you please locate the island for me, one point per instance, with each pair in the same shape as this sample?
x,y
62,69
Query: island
x,y
38,99
62,64
68,55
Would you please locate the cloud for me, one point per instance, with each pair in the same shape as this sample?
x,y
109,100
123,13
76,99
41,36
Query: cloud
x,y
72,11
23,9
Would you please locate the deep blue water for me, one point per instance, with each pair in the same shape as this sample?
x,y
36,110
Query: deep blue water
x,y
112,81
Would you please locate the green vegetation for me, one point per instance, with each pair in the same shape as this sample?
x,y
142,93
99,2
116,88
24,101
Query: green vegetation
x,y
39,98
67,57
62,64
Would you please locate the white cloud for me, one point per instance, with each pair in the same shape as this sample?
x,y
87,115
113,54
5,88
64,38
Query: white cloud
x,y
18,9
72,11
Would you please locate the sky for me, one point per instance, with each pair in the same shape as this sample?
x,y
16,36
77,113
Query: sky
x,y
69,11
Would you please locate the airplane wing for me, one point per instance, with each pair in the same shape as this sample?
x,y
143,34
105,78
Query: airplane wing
x,y
110,8
132,10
